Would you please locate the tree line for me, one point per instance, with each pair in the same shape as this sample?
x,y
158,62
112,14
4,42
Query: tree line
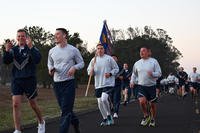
x,y
125,45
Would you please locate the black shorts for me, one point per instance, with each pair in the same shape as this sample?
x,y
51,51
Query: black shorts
x,y
158,86
25,86
125,85
181,84
149,92
198,86
99,91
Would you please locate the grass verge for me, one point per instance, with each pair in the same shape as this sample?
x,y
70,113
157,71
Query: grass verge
x,y
49,109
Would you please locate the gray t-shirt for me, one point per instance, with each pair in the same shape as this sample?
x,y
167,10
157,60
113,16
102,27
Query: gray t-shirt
x,y
140,72
62,59
104,64
194,77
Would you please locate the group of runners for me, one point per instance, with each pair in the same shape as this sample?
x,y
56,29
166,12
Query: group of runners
x,y
64,60
181,84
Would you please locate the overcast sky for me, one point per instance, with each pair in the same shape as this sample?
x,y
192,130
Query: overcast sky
x,y
180,18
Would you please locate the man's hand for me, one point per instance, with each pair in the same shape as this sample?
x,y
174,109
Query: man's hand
x,y
108,75
71,71
29,42
121,77
92,72
8,46
51,72
150,73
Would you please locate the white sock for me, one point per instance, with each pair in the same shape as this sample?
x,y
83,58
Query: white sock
x,y
106,105
101,108
17,131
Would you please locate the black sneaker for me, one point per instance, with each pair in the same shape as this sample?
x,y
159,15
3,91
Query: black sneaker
x,y
76,128
125,103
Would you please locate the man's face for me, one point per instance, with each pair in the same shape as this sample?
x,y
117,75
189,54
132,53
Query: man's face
x,y
181,69
194,70
100,50
125,66
144,53
59,36
115,58
21,37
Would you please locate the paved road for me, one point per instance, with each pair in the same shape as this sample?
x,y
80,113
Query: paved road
x,y
174,116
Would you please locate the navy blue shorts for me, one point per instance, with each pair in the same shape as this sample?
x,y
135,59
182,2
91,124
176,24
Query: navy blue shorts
x,y
25,86
194,85
107,90
149,92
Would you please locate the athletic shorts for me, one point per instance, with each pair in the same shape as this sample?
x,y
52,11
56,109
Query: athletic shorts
x,y
135,90
181,84
99,91
194,85
125,85
25,86
198,85
149,92
158,86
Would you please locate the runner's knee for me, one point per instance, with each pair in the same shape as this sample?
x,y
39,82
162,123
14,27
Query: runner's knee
x,y
142,101
104,97
16,104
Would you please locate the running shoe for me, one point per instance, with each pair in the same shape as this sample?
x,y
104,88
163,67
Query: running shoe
x,y
145,121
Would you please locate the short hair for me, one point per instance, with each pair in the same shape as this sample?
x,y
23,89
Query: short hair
x,y
63,30
145,46
181,68
22,30
99,44
114,55
125,64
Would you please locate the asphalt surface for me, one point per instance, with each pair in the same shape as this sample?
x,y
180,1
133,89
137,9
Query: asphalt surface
x,y
173,116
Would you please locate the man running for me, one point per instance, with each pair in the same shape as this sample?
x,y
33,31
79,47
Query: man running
x,y
172,81
182,77
104,68
193,78
63,61
146,71
24,57
116,93
126,82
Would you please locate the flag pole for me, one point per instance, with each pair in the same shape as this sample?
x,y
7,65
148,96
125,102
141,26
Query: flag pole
x,y
88,85
90,77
